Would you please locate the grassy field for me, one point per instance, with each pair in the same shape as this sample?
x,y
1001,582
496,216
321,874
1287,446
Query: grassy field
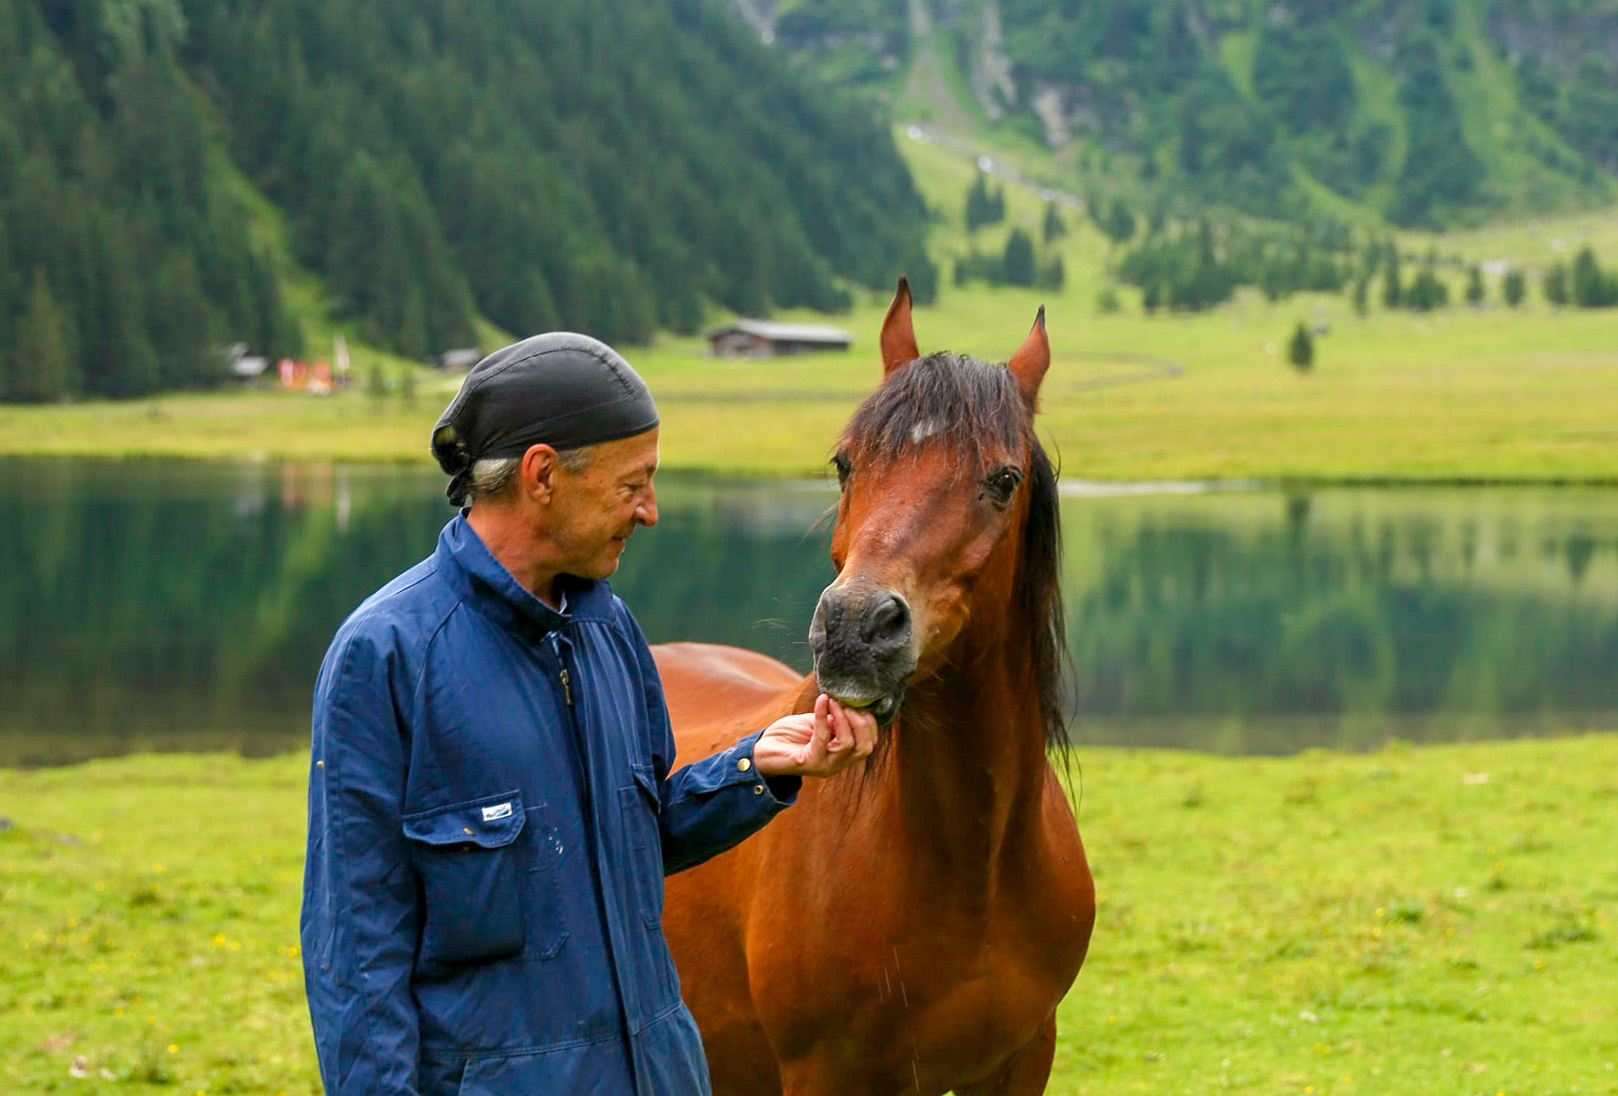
x,y
1415,920
1459,396
1463,394
1307,919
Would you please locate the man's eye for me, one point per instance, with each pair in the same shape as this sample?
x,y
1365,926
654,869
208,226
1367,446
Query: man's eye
x,y
1001,483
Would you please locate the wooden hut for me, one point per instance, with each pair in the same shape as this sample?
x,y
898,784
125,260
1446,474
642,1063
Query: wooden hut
x,y
765,338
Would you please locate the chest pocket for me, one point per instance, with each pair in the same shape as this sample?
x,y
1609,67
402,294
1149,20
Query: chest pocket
x,y
642,810
481,880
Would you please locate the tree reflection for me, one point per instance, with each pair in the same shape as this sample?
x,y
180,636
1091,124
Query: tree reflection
x,y
155,605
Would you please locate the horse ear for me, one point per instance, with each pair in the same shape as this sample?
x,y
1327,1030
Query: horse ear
x,y
1031,360
898,334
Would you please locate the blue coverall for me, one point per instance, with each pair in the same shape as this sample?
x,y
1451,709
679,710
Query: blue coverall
x,y
491,815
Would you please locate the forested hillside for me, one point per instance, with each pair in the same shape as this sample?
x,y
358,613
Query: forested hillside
x,y
607,165
1425,112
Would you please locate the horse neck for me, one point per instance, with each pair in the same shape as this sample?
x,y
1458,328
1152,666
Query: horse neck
x,y
967,766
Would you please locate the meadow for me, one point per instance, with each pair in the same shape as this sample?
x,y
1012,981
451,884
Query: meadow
x,y
1413,920
1460,395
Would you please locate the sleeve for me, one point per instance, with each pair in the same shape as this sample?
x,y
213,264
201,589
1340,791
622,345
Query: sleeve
x,y
360,922
712,804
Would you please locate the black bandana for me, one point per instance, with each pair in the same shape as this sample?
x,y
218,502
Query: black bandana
x,y
560,389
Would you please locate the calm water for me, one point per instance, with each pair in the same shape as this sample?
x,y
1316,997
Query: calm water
x,y
157,605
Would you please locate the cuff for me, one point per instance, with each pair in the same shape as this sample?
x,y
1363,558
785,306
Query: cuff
x,y
783,790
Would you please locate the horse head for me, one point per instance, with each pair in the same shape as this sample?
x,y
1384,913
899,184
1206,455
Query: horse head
x,y
947,523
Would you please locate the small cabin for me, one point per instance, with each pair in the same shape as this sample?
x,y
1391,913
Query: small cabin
x,y
765,339
460,359
249,367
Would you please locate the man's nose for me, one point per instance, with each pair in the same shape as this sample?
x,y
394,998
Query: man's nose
x,y
646,512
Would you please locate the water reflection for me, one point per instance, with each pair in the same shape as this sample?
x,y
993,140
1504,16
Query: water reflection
x,y
182,605
1262,622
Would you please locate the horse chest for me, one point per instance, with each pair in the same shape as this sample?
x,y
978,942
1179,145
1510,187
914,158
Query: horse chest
x,y
946,1021
937,1001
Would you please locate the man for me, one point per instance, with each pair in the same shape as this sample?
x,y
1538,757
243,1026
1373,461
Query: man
x,y
491,807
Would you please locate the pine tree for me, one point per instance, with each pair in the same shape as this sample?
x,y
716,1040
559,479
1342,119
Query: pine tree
x,y
1592,287
1054,228
1474,286
984,207
1514,287
1017,263
1120,222
1427,292
1556,284
42,365
183,327
1362,290
1392,288
1301,349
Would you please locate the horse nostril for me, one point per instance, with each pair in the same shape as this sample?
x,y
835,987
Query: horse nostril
x,y
887,624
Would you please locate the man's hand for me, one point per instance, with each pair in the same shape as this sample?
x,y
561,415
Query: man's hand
x,y
820,744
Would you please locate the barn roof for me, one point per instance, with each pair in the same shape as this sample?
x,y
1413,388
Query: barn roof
x,y
786,332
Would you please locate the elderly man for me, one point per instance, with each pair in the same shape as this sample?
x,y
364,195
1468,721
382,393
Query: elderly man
x,y
491,806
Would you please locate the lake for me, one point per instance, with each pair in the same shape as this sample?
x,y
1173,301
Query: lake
x,y
156,605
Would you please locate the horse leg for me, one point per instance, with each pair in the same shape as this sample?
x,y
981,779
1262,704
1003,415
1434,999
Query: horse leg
x,y
1022,1074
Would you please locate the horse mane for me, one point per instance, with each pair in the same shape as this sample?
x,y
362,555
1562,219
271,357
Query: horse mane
x,y
967,403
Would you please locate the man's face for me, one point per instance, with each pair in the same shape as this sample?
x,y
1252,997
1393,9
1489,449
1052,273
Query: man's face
x,y
594,511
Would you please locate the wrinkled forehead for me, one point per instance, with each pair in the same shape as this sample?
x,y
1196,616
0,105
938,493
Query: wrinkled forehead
x,y
949,402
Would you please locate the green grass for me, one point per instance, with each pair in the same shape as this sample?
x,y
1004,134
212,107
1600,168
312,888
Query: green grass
x,y
1459,395
1416,920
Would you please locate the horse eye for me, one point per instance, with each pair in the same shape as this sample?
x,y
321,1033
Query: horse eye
x,y
844,467
1002,483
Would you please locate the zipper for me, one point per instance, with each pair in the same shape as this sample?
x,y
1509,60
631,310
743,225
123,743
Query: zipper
x,y
556,642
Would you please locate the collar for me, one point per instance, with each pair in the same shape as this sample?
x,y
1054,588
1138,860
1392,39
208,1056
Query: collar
x,y
484,581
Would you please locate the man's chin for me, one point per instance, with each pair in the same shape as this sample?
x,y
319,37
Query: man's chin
x,y
609,565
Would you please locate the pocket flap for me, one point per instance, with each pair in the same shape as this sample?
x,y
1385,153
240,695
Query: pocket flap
x,y
491,822
646,778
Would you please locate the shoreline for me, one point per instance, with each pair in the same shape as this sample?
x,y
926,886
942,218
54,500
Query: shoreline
x,y
1069,487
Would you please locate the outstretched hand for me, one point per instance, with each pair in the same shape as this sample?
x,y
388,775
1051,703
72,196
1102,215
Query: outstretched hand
x,y
819,743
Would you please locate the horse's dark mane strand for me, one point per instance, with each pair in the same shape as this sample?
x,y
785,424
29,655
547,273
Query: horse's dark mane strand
x,y
967,402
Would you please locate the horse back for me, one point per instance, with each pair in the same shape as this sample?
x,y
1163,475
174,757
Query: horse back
x,y
716,694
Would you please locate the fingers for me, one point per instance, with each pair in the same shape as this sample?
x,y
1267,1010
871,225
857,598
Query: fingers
x,y
852,735
862,730
841,737
819,743
813,753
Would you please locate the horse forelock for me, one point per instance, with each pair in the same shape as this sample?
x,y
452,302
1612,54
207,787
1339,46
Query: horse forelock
x,y
964,402
976,408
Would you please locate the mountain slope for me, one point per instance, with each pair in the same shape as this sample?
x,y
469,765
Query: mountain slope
x,y
1423,112
606,165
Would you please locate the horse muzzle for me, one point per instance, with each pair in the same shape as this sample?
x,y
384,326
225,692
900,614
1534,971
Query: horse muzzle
x,y
863,637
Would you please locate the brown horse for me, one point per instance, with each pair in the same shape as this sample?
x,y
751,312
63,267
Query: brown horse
x,y
910,925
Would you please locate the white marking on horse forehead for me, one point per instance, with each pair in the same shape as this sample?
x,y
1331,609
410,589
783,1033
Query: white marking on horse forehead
x,y
924,430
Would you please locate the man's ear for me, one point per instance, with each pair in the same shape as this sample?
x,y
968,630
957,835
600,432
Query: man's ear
x,y
538,472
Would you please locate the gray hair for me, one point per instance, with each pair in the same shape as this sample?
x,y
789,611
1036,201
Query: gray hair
x,y
492,477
